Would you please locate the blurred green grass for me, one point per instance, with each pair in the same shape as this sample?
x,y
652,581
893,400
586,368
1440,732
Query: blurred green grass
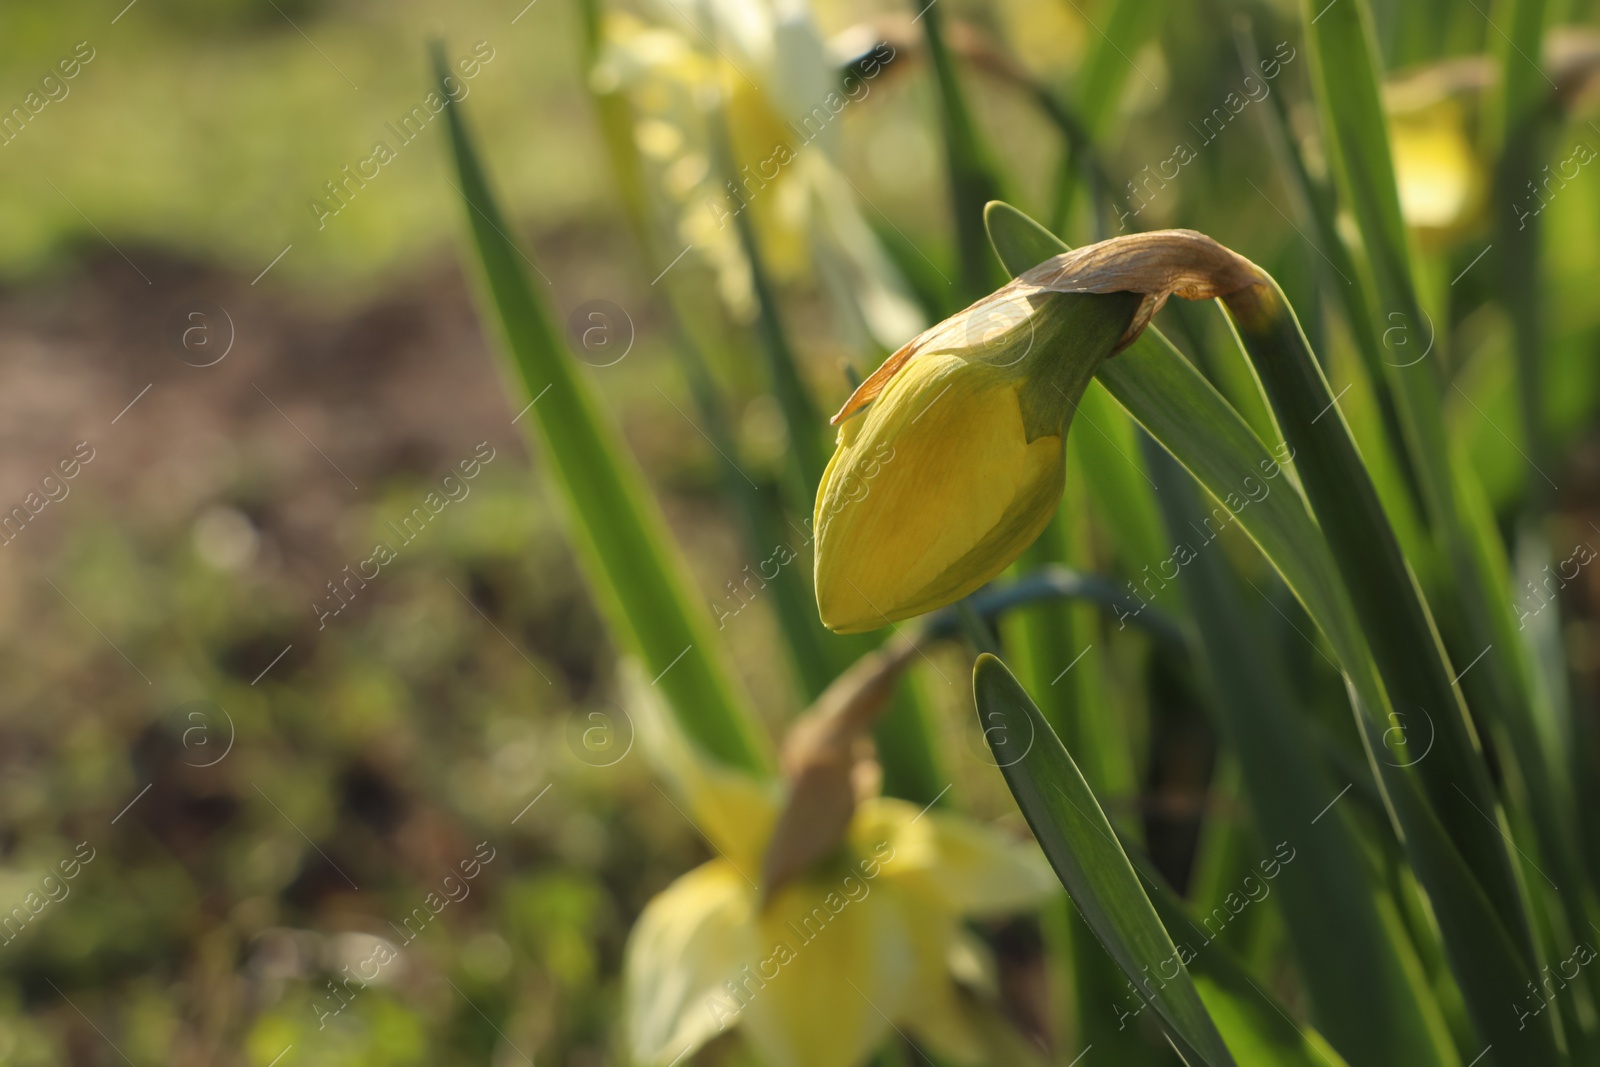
x,y
207,129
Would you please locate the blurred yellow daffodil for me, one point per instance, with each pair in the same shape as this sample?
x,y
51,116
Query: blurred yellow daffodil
x,y
820,970
739,107
1441,172
1441,181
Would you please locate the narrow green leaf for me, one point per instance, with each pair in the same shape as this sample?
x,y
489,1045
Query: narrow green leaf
x,y
622,540
1350,284
1193,422
1079,842
1196,330
1346,69
1347,73
1255,1026
1173,401
1329,897
1090,990
1053,646
1539,781
809,447
1523,111
1522,120
1398,624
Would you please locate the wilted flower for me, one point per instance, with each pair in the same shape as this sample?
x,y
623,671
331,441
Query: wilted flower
x,y
815,967
957,465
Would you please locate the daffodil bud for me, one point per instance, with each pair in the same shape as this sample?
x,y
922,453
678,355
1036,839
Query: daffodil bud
x,y
957,464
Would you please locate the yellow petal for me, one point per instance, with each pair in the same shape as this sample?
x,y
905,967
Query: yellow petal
x,y
686,944
938,1011
945,1019
973,870
843,959
852,265
931,494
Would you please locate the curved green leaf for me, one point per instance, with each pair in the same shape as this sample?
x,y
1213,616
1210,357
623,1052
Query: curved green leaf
x,y
1081,846
1253,1023
1330,899
1203,432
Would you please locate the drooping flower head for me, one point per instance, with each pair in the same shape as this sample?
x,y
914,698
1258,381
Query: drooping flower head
x,y
956,464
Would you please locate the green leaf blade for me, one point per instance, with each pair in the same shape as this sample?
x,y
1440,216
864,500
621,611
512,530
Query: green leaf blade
x,y
1329,898
1252,1022
640,580
1203,432
1081,846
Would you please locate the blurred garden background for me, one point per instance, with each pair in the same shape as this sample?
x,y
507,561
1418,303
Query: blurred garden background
x,y
256,368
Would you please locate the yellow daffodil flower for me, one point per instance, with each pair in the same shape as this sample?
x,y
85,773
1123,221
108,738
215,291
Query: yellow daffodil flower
x,y
822,970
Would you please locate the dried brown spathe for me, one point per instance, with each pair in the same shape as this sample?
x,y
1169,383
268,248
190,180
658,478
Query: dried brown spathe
x,y
829,765
1157,264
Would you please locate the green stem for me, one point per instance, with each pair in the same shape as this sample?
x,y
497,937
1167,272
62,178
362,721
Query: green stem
x,y
974,179
807,447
